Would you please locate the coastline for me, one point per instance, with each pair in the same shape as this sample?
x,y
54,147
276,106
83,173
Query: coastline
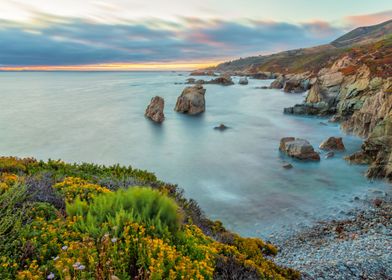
x,y
356,247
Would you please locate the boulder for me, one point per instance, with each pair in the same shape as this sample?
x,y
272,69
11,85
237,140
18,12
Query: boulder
x,y
154,111
191,101
298,148
243,81
224,80
332,144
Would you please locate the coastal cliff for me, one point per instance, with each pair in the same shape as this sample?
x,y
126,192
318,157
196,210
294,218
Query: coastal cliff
x,y
349,80
356,90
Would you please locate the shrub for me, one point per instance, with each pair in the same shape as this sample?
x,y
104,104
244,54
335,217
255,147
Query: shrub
x,y
12,209
73,187
39,188
141,205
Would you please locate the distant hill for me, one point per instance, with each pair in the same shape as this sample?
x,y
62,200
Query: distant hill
x,y
365,34
308,59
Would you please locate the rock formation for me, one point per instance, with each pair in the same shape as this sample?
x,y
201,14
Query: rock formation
x,y
332,144
154,110
202,73
298,148
356,90
191,101
243,81
221,127
224,80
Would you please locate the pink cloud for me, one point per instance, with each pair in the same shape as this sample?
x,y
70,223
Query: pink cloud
x,y
369,19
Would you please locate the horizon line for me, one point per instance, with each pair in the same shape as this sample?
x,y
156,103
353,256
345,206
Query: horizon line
x,y
113,67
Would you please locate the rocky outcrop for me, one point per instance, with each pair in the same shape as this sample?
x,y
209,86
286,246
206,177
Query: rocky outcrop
x,y
191,101
243,81
377,150
224,80
298,148
320,109
263,75
332,144
293,83
202,73
279,82
154,111
356,90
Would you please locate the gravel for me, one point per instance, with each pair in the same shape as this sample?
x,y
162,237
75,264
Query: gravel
x,y
359,247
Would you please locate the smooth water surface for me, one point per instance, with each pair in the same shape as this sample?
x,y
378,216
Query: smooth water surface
x,y
236,175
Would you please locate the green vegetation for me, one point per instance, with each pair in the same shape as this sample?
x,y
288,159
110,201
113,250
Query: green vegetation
x,y
85,221
140,205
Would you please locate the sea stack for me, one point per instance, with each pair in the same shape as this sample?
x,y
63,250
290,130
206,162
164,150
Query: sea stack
x,y
191,101
154,111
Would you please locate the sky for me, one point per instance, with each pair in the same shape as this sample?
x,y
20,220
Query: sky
x,y
168,34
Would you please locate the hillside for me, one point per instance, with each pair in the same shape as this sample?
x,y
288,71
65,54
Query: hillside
x,y
308,59
69,221
364,35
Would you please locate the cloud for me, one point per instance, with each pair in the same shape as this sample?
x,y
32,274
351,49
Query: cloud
x,y
72,41
369,19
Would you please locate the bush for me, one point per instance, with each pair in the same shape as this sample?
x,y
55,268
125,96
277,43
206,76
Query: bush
x,y
12,209
73,188
142,205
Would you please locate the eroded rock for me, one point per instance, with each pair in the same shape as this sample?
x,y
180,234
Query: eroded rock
x,y
191,101
298,148
154,110
332,144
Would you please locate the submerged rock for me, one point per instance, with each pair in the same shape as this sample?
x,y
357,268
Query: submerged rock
x,y
332,144
221,127
330,155
191,101
298,148
243,81
154,110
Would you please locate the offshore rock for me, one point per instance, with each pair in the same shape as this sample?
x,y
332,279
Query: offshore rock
x,y
298,148
243,81
332,144
154,110
191,101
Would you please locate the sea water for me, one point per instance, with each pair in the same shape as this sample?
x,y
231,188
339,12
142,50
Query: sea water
x,y
235,175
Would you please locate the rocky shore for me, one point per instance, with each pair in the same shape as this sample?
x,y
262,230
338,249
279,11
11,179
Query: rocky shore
x,y
357,246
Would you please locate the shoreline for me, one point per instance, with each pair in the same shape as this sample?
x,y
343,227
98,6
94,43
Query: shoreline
x,y
356,247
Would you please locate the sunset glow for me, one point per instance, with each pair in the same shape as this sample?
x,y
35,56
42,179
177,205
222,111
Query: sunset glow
x,y
114,67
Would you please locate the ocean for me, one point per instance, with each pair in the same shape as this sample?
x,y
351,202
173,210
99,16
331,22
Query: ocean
x,y
236,175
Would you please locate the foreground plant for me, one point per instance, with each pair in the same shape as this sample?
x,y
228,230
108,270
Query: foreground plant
x,y
109,231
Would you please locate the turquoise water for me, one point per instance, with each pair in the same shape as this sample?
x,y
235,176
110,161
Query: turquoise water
x,y
236,175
